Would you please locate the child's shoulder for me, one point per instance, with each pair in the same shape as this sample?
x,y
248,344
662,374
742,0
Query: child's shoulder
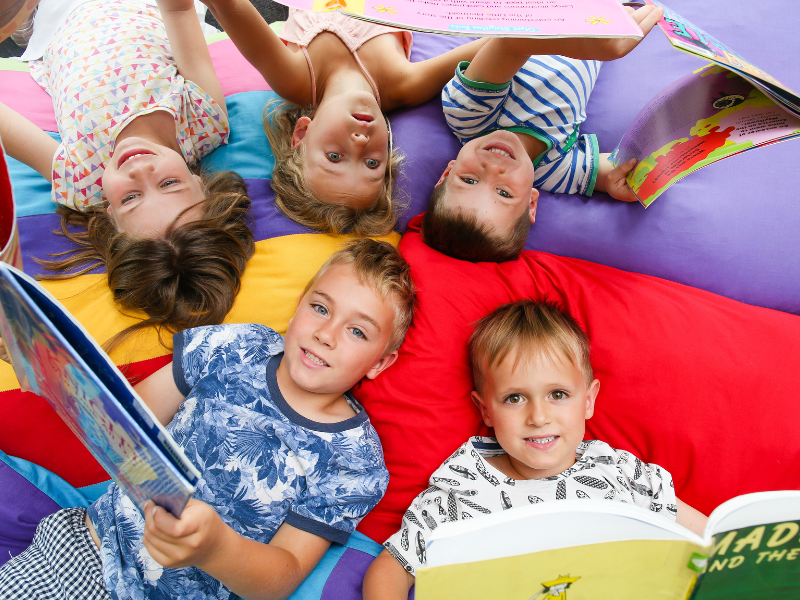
x,y
249,341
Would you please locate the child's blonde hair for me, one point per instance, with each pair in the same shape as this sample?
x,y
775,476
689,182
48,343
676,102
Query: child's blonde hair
x,y
380,265
532,329
294,195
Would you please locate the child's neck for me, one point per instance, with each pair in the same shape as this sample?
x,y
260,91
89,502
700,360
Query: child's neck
x,y
342,79
534,147
157,126
322,408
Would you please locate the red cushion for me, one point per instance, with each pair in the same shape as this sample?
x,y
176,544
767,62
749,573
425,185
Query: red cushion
x,y
700,384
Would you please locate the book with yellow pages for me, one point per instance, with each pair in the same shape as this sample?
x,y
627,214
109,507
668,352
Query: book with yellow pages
x,y
590,549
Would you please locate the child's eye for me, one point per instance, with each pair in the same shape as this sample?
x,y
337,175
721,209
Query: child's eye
x,y
320,309
127,198
559,395
334,156
358,333
170,182
514,399
372,163
469,180
503,193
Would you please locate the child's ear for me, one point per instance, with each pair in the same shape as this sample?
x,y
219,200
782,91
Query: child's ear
x,y
383,363
591,396
300,129
476,398
446,172
534,203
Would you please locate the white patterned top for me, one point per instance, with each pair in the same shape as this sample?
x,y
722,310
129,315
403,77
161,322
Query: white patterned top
x,y
110,62
465,486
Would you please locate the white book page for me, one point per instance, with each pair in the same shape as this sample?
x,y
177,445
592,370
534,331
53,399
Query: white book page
x,y
549,526
754,509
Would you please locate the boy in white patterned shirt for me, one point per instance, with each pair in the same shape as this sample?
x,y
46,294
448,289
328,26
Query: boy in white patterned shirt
x,y
534,385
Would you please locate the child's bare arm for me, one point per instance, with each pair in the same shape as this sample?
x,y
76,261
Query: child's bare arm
x,y
500,59
26,142
387,580
285,71
248,568
612,180
189,47
161,394
425,79
692,519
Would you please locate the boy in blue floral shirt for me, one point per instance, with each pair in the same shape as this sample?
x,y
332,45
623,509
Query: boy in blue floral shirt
x,y
289,459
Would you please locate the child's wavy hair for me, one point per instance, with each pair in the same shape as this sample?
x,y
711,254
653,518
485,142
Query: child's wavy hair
x,y
294,195
188,277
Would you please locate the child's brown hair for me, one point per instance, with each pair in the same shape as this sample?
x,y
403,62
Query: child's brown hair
x,y
188,277
294,195
460,235
380,265
531,329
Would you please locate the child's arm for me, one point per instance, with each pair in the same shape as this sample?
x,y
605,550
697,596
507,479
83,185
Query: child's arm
x,y
26,142
612,180
189,47
161,394
692,519
500,59
285,71
248,568
387,580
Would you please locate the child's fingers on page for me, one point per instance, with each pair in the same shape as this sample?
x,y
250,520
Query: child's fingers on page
x,y
647,17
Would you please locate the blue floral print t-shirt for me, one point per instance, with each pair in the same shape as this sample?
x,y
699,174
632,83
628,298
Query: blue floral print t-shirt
x,y
262,463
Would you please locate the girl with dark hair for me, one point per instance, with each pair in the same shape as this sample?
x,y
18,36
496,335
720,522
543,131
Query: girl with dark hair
x,y
135,113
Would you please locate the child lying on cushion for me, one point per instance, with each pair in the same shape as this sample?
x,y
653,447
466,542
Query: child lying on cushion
x,y
531,107
534,386
136,112
290,461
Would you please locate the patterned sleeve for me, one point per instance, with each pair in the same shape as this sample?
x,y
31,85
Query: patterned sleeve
x,y
472,107
203,125
570,171
348,479
426,513
203,350
651,485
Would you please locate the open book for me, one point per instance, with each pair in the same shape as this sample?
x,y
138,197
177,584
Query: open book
x,y
593,549
54,357
506,18
725,108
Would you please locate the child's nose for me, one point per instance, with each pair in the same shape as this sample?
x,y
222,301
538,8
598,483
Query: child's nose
x,y
538,413
493,166
360,139
325,335
140,168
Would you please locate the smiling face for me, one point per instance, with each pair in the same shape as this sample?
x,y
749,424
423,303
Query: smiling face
x,y
345,149
538,410
492,177
338,335
147,186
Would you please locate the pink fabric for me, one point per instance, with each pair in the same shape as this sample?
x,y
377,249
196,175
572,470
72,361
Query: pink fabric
x,y
302,26
22,94
234,72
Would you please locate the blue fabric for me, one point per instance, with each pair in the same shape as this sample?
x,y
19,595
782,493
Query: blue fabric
x,y
262,463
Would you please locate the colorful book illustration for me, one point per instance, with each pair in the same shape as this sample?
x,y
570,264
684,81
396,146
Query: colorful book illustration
x,y
53,356
722,109
506,18
590,549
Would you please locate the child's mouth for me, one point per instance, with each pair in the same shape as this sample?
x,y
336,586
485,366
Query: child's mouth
x,y
501,149
133,153
542,441
315,359
364,118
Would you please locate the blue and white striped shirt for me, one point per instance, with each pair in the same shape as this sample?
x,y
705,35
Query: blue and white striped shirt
x,y
546,99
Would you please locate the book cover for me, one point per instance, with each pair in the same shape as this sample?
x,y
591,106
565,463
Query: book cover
x,y
54,357
507,18
589,549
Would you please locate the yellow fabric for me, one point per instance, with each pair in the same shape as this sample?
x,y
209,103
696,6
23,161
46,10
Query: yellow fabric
x,y
271,287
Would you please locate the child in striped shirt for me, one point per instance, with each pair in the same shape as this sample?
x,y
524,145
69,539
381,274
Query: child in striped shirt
x,y
531,106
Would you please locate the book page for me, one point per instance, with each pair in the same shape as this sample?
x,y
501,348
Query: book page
x,y
700,119
512,18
